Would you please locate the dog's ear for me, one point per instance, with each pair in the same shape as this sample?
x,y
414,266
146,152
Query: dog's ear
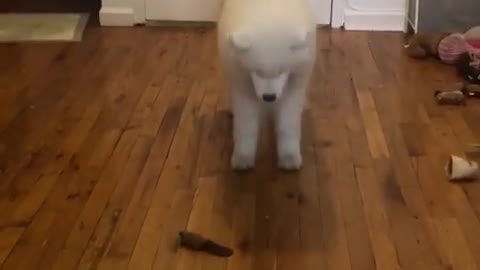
x,y
301,37
241,40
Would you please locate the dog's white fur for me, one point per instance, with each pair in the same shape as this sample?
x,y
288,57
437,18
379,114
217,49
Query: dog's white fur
x,y
268,48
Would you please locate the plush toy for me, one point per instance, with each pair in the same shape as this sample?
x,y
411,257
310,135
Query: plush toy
x,y
449,48
424,45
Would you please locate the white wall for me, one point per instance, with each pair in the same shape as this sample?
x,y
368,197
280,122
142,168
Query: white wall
x,y
376,4
122,12
130,12
380,15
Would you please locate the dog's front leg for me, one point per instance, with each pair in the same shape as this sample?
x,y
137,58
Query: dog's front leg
x,y
288,117
246,121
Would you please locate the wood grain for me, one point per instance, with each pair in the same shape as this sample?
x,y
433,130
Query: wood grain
x,y
110,147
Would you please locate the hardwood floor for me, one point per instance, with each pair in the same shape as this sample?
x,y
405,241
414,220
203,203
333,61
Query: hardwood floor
x,y
111,146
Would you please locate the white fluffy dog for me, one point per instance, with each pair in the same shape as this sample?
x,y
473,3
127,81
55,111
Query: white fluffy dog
x,y
268,48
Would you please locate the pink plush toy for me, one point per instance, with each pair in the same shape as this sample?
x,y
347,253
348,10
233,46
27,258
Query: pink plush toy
x,y
453,46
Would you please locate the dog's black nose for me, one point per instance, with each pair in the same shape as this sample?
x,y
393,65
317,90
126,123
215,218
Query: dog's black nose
x,y
269,97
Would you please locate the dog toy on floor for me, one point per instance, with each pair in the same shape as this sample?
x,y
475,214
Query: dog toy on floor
x,y
455,97
458,168
424,45
447,47
472,90
457,94
197,242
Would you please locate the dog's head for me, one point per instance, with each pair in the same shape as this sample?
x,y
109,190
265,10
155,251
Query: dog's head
x,y
271,57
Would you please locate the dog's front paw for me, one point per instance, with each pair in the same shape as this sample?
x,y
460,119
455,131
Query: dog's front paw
x,y
242,162
291,161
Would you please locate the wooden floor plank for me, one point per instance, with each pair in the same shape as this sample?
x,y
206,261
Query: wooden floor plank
x,y
408,137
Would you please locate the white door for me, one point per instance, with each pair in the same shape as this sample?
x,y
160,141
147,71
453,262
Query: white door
x,y
207,10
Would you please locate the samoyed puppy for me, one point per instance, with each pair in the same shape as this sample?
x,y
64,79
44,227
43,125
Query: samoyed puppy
x,y
268,50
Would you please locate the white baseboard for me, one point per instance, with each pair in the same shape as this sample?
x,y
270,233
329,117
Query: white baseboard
x,y
117,16
367,20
